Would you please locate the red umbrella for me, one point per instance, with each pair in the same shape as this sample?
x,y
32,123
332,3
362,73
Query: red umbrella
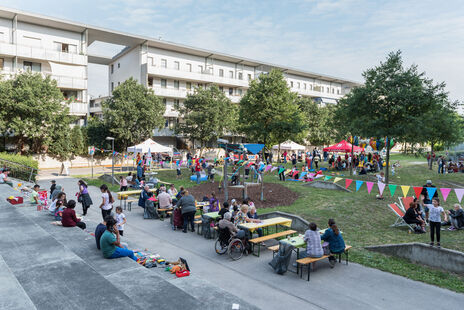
x,y
343,146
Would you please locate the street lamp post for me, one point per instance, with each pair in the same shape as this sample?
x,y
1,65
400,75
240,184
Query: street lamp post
x,y
112,158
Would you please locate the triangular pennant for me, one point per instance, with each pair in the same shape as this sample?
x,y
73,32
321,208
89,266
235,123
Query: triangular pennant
x,y
392,188
281,170
445,192
326,178
337,179
359,184
318,176
369,186
348,182
405,190
418,191
274,168
431,191
295,173
303,174
459,192
381,187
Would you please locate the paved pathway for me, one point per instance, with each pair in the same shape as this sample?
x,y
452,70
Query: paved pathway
x,y
251,278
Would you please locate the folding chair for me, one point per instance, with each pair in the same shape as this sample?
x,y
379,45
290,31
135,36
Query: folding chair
x,y
399,220
405,202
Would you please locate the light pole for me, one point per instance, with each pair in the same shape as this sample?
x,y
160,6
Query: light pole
x,y
112,158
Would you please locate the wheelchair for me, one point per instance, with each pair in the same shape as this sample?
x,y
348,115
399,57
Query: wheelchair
x,y
226,243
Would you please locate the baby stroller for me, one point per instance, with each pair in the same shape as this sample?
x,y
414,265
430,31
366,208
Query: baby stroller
x,y
228,244
177,220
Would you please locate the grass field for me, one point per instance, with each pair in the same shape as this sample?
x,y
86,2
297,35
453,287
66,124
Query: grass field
x,y
366,220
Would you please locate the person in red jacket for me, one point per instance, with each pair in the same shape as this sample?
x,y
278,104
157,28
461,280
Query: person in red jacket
x,y
198,170
69,219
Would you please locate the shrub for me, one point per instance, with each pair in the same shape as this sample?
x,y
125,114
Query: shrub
x,y
19,171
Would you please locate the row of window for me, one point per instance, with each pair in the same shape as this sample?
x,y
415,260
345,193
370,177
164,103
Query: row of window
x,y
188,86
27,66
316,88
200,69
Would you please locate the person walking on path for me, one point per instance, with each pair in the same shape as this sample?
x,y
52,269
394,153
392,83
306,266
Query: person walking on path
x,y
84,197
187,206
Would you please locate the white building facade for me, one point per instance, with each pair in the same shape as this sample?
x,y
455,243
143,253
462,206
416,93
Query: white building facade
x,y
58,53
60,49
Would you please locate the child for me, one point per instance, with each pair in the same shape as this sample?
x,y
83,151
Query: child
x,y
435,220
122,183
59,210
178,171
35,195
120,220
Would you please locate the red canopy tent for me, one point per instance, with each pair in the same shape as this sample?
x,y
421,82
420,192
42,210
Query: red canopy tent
x,y
344,147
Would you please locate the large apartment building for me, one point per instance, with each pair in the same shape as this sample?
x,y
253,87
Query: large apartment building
x,y
26,45
59,48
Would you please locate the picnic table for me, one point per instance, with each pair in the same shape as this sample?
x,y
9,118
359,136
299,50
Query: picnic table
x,y
275,221
212,215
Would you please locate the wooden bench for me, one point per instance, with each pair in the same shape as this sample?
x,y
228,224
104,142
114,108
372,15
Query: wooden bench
x,y
307,261
161,212
274,249
129,202
269,237
198,224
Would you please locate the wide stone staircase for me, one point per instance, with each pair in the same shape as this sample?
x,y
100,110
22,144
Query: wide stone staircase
x,y
43,266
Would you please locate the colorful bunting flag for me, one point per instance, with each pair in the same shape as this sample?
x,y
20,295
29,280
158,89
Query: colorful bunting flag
x,y
281,170
348,182
337,179
318,176
267,168
359,184
418,190
274,168
381,187
459,192
431,191
405,190
326,178
392,188
295,173
303,174
445,192
369,186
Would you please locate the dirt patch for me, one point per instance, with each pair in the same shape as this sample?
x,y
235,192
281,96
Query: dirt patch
x,y
274,194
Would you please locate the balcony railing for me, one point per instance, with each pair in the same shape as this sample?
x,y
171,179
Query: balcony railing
x,y
42,53
202,77
78,108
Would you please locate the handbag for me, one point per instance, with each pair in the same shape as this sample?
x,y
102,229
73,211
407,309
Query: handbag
x,y
79,198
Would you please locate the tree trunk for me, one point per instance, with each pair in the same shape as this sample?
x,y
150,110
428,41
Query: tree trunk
x,y
226,180
431,156
387,174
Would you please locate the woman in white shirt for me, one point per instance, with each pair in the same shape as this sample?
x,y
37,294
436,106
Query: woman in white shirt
x,y
107,201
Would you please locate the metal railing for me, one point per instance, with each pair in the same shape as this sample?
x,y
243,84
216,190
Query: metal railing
x,y
19,171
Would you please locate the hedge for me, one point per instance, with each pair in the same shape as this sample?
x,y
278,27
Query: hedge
x,y
18,171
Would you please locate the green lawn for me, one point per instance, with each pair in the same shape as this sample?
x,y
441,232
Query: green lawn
x,y
365,220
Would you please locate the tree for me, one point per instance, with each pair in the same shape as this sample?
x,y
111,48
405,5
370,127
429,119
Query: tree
x,y
77,141
393,103
34,111
269,113
132,113
96,132
207,115
319,121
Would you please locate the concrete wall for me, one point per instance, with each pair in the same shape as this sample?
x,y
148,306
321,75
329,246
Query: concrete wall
x,y
299,224
129,66
46,162
327,185
421,253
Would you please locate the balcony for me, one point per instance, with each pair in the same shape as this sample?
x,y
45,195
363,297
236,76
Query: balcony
x,y
78,108
204,77
68,82
95,109
234,98
171,92
164,132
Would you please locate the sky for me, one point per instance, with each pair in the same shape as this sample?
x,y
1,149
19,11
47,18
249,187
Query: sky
x,y
335,37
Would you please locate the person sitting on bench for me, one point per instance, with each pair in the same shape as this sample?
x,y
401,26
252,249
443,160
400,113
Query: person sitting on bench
x,y
456,217
312,237
336,243
413,215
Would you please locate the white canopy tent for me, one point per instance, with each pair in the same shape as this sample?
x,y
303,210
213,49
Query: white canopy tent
x,y
289,146
149,145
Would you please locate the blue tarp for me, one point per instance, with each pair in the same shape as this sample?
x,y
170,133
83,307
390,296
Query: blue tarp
x,y
254,148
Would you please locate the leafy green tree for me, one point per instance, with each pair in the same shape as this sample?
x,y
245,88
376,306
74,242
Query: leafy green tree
x,y
269,113
393,103
32,109
319,121
132,113
207,115
77,141
96,132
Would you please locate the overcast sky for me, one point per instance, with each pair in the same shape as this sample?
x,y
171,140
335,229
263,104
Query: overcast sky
x,y
340,38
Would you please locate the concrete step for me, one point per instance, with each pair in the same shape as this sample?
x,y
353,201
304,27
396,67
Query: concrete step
x,y
12,294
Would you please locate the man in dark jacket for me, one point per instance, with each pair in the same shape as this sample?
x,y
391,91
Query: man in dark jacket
x,y
188,208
